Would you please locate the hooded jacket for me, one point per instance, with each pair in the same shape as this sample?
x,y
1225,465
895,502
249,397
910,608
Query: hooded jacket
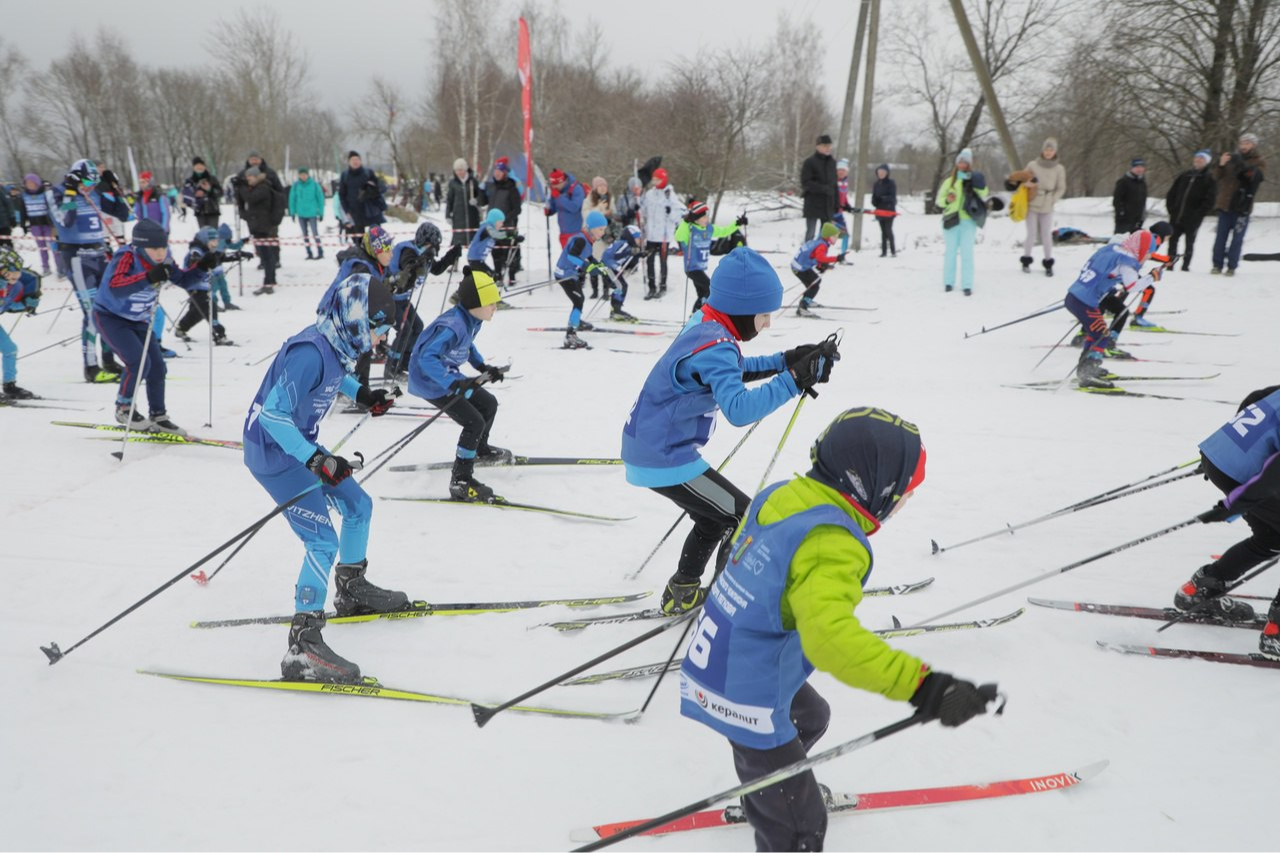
x,y
818,183
1238,182
1191,197
1130,201
884,192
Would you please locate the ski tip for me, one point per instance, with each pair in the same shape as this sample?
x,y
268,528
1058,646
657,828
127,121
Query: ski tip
x,y
201,578
934,544
52,652
482,714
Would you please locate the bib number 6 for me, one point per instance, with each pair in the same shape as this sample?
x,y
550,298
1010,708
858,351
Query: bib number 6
x,y
700,648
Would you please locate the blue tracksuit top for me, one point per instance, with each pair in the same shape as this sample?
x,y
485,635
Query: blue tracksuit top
x,y
194,254
804,259
1101,274
81,225
127,293
354,264
574,258
617,255
401,254
743,667
440,350
156,208
482,243
1243,444
283,423
700,374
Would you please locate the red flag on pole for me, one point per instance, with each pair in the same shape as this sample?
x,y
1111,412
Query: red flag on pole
x,y
525,61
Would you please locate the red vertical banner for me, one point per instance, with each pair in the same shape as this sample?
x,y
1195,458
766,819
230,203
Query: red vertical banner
x,y
525,61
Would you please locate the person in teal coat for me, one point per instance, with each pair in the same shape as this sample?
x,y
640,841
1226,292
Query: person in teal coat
x,y
306,204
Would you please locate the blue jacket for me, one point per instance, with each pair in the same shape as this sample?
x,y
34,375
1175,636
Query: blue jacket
x,y
809,255
574,258
401,254
39,205
127,293
567,205
701,373
1102,273
306,199
440,350
482,243
617,255
1243,444
352,261
697,243
156,208
743,667
282,425
194,253
80,224
22,295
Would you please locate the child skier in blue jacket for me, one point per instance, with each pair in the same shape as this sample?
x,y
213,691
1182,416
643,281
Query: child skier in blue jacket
x,y
411,262
696,238
19,291
619,258
813,259
442,348
489,233
282,451
702,373
200,306
571,271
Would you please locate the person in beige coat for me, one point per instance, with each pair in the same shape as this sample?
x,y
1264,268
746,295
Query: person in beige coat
x,y
599,199
1046,182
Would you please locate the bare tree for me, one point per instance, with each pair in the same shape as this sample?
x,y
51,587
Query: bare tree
x,y
13,68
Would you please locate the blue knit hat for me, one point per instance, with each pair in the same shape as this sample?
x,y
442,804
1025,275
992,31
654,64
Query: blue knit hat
x,y
494,216
148,234
745,283
1205,153
595,219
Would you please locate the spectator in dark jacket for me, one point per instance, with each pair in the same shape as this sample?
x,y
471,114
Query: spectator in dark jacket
x,y
818,183
1130,197
202,193
884,197
462,208
262,204
503,193
1189,201
363,196
1239,174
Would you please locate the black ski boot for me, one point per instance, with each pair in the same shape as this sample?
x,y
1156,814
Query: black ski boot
x,y
572,341
1048,267
682,594
492,455
1206,593
1269,642
310,659
160,423
1090,374
355,596
1026,263
463,486
138,422
13,392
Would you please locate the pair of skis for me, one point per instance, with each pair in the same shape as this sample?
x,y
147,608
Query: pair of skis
x,y
155,437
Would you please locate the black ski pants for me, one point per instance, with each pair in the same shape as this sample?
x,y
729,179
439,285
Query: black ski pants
x,y
790,815
715,506
658,250
1264,524
1188,230
198,309
701,286
812,281
886,235
474,414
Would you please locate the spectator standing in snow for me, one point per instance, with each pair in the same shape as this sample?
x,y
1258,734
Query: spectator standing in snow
x,y
1130,197
262,206
306,204
201,192
1189,201
152,202
818,181
600,199
1046,182
962,197
462,208
503,193
660,215
38,206
1239,174
363,196
884,198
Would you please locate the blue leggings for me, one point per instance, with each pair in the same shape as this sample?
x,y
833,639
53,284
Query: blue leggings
x,y
218,286
85,267
9,355
310,521
128,339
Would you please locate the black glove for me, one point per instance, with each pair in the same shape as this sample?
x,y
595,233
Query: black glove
x,y
109,178
245,256
495,374
741,220
519,238
949,700
1218,513
815,367
449,257
158,274
794,356
209,260
332,470
840,257
377,402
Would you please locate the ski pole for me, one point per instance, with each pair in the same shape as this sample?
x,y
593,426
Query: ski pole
x,y
1074,326
484,714
1187,614
1052,572
16,322
1087,503
61,343
448,284
785,435
203,579
142,370
70,291
633,575
1039,313
989,692
56,654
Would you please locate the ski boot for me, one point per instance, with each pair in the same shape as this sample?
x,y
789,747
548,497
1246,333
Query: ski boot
x,y
167,353
1026,263
265,290
1119,355
1047,263
138,423
183,336
682,595
220,336
110,365
13,392
572,341
1269,642
618,315
1091,374
802,310
584,326
310,659
95,374
230,306
160,423
491,455
1205,593
355,596
1140,322
463,486
650,294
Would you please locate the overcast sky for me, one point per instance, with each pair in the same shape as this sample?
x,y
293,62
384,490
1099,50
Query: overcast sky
x,y
347,42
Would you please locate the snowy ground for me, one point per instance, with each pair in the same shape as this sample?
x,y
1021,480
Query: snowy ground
x,y
94,756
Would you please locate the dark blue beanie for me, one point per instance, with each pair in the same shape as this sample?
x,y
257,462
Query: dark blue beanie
x,y
745,283
148,234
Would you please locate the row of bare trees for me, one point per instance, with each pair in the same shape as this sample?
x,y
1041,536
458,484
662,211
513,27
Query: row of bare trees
x,y
1158,79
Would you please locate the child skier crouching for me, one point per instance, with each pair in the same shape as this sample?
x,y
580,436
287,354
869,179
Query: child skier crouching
x,y
19,291
813,259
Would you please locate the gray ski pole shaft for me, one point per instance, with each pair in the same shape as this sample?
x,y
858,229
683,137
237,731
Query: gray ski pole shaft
x,y
1054,572
1040,313
65,302
61,343
56,654
1074,326
448,285
1187,614
138,380
633,575
1088,503
16,322
483,714
401,443
989,692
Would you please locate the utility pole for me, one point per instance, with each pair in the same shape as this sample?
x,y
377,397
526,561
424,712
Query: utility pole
x,y
846,116
984,80
864,129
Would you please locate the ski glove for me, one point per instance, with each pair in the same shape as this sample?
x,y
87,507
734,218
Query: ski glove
x,y
1220,512
495,374
158,274
209,260
377,402
794,356
332,470
949,700
815,367
741,220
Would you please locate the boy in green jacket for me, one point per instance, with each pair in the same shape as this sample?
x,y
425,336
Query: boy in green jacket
x,y
784,606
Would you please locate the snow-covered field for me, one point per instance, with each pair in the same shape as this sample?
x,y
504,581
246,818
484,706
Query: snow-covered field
x,y
94,756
